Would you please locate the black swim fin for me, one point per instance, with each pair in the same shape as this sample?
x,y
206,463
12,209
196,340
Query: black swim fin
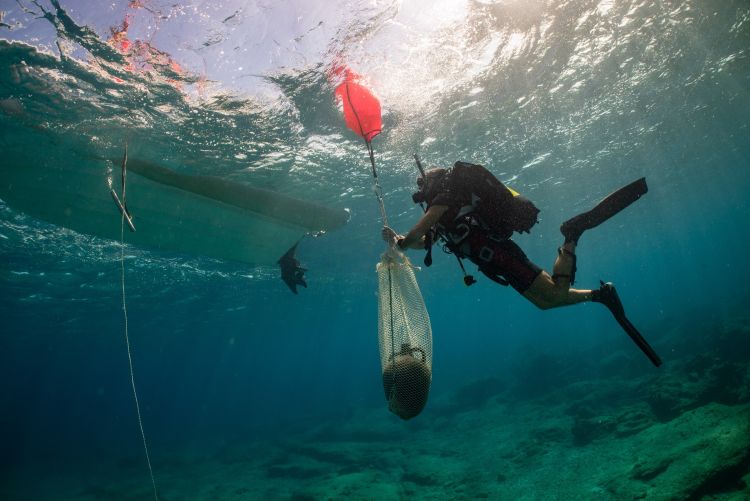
x,y
608,207
607,295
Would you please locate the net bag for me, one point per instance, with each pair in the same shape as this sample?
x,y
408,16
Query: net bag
x,y
404,336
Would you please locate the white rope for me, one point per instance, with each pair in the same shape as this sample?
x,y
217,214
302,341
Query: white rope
x,y
376,184
130,356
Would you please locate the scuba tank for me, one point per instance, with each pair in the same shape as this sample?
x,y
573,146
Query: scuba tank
x,y
493,207
498,209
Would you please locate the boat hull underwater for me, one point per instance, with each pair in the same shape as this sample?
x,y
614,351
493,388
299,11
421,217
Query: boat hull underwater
x,y
201,215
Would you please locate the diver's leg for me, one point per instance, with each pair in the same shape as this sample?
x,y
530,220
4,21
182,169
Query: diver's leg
x,y
564,269
506,259
553,291
546,293
535,284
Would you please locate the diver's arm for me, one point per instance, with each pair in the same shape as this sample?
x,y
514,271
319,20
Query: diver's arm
x,y
415,238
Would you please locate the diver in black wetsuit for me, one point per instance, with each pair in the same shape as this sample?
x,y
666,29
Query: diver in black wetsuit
x,y
475,215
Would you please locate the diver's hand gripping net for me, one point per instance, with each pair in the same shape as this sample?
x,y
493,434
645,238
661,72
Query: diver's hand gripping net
x,y
404,335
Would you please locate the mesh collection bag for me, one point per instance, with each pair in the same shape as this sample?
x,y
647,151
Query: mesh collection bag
x,y
404,335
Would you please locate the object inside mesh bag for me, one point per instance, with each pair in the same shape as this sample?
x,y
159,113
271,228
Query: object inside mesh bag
x,y
405,336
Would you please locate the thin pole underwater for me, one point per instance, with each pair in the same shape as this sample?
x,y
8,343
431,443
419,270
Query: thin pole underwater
x,y
126,216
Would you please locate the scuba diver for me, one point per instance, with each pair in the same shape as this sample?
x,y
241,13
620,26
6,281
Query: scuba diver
x,y
474,215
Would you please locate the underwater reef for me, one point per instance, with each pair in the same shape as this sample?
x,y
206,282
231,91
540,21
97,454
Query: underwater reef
x,y
557,427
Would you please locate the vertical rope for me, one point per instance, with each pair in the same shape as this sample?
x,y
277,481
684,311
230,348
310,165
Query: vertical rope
x,y
127,337
378,189
381,205
393,346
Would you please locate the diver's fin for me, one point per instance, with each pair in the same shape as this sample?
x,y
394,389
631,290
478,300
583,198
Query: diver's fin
x,y
607,295
608,207
639,340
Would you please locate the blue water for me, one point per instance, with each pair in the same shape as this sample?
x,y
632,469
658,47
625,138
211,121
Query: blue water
x,y
564,101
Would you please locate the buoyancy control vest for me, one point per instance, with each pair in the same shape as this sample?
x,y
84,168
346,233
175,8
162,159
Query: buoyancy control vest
x,y
476,199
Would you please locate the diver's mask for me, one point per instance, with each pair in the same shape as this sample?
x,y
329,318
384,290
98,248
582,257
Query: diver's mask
x,y
428,183
419,197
